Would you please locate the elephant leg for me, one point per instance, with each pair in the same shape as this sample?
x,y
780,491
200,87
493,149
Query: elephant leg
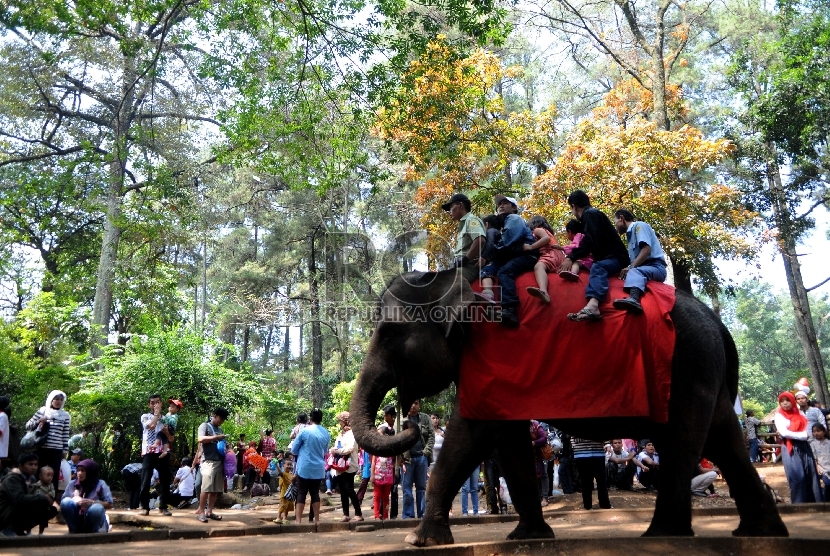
x,y
678,460
725,447
515,458
466,444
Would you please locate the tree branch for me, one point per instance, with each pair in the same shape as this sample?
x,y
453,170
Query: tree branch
x,y
819,284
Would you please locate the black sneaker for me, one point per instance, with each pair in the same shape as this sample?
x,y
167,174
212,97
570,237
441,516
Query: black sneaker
x,y
509,318
628,304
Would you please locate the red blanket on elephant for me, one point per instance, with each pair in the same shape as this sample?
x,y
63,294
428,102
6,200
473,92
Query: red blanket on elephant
x,y
551,367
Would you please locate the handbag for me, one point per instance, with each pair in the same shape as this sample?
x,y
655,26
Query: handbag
x,y
547,452
339,463
291,493
34,439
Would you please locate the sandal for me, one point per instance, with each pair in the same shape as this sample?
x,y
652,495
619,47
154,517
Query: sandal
x,y
538,292
202,518
583,315
214,517
344,519
357,518
486,296
569,276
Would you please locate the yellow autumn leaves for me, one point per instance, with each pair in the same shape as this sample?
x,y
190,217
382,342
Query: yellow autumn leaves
x,y
451,128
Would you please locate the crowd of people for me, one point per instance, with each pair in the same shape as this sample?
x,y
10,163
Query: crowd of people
x,y
503,245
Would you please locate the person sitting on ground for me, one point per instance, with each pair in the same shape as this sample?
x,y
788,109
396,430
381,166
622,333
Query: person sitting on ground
x,y
705,478
648,262
649,471
813,414
85,502
550,256
603,243
471,236
621,466
821,453
509,260
20,509
573,229
76,455
45,486
183,484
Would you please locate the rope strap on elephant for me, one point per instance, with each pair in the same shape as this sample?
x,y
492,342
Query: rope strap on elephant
x,y
553,368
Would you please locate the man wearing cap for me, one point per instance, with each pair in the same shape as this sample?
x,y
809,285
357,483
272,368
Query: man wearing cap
x,y
471,236
509,259
813,414
600,240
76,455
648,262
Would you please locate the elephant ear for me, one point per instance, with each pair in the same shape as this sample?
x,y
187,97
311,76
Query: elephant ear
x,y
450,299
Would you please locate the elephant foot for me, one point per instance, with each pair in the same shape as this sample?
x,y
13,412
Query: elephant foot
x,y
656,531
531,531
769,528
430,534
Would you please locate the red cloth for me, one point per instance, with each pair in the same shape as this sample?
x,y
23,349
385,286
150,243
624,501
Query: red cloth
x,y
554,368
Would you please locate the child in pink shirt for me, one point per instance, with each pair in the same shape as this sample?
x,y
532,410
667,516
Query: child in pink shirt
x,y
573,230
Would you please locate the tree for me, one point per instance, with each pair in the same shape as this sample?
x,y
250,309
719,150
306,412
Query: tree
x,y
112,84
772,358
623,160
769,133
448,123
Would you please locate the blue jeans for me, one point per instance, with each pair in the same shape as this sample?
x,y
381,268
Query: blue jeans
x,y
415,474
471,486
753,450
90,522
506,272
654,269
598,278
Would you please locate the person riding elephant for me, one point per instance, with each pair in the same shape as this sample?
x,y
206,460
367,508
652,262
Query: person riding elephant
x,y
422,357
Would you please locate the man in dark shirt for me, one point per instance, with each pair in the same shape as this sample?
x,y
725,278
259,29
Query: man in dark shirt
x,y
415,462
602,241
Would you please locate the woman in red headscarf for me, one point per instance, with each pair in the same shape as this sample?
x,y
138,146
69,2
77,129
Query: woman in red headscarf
x,y
797,455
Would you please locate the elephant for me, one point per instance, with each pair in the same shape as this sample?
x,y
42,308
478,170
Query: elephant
x,y
420,356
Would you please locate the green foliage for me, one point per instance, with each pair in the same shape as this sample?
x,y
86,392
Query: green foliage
x,y
771,356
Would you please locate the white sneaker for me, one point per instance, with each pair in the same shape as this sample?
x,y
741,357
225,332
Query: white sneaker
x,y
482,512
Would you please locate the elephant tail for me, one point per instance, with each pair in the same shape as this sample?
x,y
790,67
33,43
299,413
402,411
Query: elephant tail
x,y
732,363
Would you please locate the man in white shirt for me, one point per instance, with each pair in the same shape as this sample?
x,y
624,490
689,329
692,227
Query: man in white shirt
x,y
649,472
4,431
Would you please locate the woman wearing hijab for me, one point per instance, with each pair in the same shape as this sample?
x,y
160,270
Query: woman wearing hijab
x,y
345,445
86,500
58,420
799,465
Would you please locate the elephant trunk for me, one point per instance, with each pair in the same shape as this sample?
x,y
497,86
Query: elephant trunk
x,y
373,383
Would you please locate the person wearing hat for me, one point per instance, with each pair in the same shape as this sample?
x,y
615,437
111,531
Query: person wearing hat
x,y
471,236
75,455
509,259
813,414
601,240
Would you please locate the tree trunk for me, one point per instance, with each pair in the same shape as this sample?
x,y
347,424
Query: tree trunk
x,y
682,276
316,333
658,68
804,328
102,305
246,342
